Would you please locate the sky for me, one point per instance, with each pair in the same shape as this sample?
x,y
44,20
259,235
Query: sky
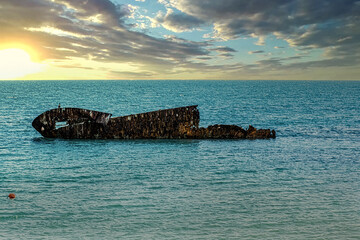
x,y
180,39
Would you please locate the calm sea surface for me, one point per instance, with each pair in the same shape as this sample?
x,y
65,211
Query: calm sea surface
x,y
305,184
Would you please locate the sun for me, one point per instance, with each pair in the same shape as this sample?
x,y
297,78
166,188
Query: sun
x,y
16,63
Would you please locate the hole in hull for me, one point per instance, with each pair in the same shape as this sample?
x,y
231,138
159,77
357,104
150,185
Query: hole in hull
x,y
61,124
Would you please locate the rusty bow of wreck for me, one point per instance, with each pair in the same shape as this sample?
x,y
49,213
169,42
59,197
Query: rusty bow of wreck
x,y
175,123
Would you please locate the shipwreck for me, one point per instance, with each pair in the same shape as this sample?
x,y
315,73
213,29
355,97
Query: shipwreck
x,y
175,123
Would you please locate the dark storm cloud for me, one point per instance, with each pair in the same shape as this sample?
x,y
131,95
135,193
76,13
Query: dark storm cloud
x,y
90,29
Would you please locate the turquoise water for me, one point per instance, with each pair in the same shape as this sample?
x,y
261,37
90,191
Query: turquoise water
x,y
305,184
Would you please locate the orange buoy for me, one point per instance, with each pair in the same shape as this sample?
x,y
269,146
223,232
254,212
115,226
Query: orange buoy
x,y
11,195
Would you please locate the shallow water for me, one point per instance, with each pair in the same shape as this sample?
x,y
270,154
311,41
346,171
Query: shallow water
x,y
305,184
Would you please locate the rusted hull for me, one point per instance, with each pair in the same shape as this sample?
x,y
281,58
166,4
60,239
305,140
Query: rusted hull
x,y
175,123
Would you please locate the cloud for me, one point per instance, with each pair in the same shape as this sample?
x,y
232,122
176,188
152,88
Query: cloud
x,y
130,75
223,49
226,55
224,52
177,22
255,52
52,26
332,25
261,17
103,32
204,58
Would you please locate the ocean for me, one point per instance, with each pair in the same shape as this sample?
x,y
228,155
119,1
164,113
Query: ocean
x,y
305,184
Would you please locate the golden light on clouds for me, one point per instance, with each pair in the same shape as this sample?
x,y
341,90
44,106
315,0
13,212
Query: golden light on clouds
x,y
54,31
111,39
16,63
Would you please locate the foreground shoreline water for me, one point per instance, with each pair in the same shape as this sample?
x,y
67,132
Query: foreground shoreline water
x,y
304,184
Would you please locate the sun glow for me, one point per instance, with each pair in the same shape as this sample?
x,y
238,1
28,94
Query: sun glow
x,y
16,63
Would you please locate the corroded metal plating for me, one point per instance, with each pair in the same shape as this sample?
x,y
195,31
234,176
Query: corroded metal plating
x,y
175,123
